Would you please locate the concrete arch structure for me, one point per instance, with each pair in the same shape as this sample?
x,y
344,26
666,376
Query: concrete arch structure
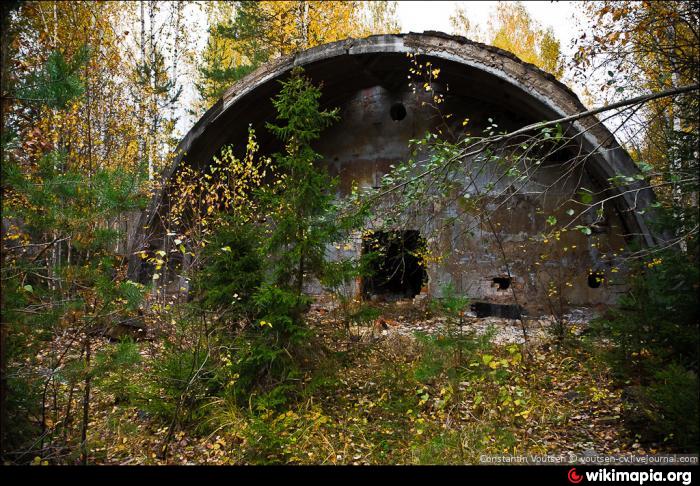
x,y
365,77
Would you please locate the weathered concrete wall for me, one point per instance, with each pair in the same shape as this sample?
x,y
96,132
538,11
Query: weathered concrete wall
x,y
367,141
365,78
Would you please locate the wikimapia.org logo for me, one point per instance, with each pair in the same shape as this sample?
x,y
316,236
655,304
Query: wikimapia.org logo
x,y
639,477
574,477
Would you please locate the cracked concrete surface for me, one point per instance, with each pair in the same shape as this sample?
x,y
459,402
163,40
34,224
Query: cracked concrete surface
x,y
365,77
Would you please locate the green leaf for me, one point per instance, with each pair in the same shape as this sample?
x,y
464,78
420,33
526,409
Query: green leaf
x,y
551,220
644,167
28,288
559,132
585,196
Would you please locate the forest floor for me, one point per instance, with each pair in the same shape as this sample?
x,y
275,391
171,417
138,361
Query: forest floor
x,y
406,390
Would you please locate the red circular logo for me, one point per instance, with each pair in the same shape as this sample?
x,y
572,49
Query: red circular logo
x,y
574,477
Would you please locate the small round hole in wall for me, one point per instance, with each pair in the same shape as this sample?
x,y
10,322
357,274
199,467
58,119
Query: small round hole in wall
x,y
397,111
595,280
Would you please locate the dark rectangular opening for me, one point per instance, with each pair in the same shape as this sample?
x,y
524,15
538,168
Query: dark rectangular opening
x,y
506,311
394,264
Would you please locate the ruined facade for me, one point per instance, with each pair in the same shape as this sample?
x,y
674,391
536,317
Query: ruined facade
x,y
367,80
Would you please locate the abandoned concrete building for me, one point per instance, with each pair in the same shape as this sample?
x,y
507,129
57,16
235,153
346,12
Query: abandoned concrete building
x,y
367,80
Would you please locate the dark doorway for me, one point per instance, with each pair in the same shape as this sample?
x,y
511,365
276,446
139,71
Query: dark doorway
x,y
393,263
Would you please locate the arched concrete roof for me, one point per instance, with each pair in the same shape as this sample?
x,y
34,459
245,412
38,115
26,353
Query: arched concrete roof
x,y
352,64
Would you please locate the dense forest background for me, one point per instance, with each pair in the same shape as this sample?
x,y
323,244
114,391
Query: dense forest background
x,y
243,371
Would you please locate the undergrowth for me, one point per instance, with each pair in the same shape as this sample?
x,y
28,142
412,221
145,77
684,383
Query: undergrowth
x,y
428,399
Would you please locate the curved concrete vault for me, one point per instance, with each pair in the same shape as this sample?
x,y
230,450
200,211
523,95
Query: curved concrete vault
x,y
366,78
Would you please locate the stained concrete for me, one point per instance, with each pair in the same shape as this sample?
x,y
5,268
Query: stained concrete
x,y
365,78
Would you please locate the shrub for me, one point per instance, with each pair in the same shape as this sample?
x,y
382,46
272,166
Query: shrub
x,y
267,353
115,371
182,375
673,406
655,339
232,270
